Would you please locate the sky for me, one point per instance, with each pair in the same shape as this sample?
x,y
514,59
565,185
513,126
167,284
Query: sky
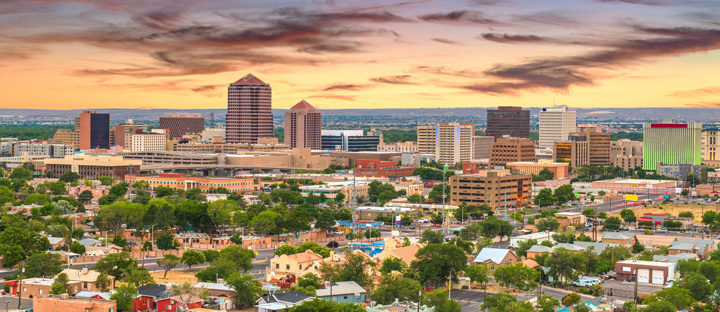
x,y
182,54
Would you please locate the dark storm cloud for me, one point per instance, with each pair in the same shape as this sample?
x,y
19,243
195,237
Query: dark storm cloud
x,y
462,16
445,41
560,73
505,38
351,87
397,80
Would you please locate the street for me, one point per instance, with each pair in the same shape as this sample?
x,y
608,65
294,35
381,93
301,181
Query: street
x,y
11,302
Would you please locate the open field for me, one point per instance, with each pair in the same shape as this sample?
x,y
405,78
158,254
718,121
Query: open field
x,y
673,209
174,277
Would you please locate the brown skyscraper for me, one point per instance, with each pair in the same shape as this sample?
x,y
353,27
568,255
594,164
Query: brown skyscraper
x,y
94,130
508,120
303,126
249,113
181,123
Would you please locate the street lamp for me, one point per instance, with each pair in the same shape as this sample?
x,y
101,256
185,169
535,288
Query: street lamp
x,y
22,272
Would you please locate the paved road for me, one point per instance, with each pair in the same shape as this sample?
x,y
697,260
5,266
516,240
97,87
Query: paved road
x,y
10,303
471,300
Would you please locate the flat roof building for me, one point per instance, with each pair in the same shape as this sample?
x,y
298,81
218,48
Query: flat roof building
x,y
88,166
671,143
179,124
498,188
559,170
94,130
510,121
555,124
506,150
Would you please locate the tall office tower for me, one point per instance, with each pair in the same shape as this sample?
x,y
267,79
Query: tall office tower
x,y
453,142
506,150
576,153
710,147
556,123
426,139
671,144
249,113
303,126
94,130
598,145
179,124
508,120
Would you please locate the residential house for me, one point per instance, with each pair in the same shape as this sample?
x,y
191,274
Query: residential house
x,y
496,257
619,238
40,287
343,292
394,248
700,247
675,258
148,297
179,303
280,301
93,295
222,294
87,242
596,247
536,250
538,236
56,242
295,264
86,277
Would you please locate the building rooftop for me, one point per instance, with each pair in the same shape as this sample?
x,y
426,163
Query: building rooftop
x,y
249,79
341,288
496,255
303,105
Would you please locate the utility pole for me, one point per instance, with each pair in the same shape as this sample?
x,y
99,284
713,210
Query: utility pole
x,y
635,291
445,218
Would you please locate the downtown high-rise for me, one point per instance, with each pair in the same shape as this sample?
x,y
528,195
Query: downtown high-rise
x,y
94,130
249,113
512,121
671,143
303,126
555,125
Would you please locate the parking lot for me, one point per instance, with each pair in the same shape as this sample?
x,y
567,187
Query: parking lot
x,y
626,290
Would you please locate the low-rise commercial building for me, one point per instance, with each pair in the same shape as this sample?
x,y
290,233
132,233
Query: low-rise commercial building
x,y
638,186
180,181
383,169
682,171
350,140
559,169
506,150
62,303
648,272
92,167
148,142
398,147
332,189
43,149
499,188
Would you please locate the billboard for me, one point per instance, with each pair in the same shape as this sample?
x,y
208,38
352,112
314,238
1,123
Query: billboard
x,y
631,197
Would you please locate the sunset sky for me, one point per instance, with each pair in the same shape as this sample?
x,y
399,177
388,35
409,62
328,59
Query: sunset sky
x,y
182,54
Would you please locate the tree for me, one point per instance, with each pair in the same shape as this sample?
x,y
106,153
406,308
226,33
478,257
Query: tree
x,y
325,221
192,257
320,305
310,279
265,222
432,237
545,198
562,265
60,285
168,262
524,245
102,283
435,263
543,175
439,299
43,265
219,212
105,180
436,194
37,199
392,264
686,214
478,273
571,299
247,289
637,247
680,298
166,241
416,199
286,249
236,239
69,177
138,277
548,303
77,248
503,302
86,196
354,269
564,193
124,296
547,224
116,265
240,256
320,250
396,286
210,255
628,215
611,224
516,276
697,284
21,173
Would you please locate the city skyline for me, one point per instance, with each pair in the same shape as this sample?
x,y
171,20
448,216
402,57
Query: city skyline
x,y
373,54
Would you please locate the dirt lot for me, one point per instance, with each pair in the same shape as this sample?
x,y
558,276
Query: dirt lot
x,y
176,277
674,209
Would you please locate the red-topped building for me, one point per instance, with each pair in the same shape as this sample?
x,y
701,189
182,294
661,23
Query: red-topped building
x,y
303,126
381,169
249,113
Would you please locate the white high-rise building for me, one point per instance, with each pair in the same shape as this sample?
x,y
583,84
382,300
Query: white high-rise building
x,y
556,123
453,142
